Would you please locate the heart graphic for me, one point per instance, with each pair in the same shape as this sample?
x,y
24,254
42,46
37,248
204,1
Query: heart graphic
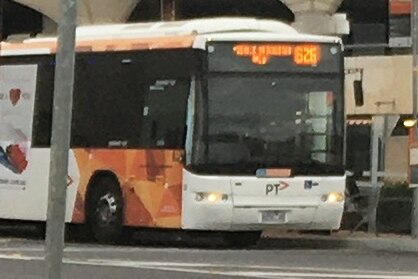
x,y
14,95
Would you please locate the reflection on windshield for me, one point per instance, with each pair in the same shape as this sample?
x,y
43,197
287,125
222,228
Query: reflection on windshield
x,y
255,122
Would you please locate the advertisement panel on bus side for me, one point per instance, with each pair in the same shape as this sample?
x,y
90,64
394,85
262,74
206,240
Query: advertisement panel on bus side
x,y
17,94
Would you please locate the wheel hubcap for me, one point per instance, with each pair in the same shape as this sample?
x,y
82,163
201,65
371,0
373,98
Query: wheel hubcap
x,y
106,209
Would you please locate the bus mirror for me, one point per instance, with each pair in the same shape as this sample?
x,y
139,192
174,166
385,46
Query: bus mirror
x,y
358,93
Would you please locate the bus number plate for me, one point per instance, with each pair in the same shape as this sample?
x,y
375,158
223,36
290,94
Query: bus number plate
x,y
276,217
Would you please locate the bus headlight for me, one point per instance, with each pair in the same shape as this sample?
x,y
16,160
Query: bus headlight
x,y
333,197
211,197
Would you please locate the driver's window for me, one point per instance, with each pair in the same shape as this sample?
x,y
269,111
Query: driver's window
x,y
164,113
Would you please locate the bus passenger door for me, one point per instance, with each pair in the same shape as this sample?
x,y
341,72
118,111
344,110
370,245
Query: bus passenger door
x,y
162,136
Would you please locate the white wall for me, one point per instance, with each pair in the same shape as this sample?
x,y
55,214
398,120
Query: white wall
x,y
386,79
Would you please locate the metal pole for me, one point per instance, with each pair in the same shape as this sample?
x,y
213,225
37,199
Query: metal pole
x,y
414,37
162,9
173,9
60,139
1,19
373,198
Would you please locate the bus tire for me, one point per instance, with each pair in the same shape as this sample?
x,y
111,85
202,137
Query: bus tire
x,y
105,210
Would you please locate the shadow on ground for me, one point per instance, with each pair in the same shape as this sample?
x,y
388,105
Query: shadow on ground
x,y
181,239
308,242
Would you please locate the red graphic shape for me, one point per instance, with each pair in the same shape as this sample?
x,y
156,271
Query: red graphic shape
x,y
283,186
17,158
14,95
136,213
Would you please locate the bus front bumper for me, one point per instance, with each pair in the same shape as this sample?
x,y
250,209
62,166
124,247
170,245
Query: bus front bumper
x,y
227,217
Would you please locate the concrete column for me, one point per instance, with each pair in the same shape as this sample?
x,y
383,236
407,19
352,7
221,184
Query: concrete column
x,y
317,16
168,10
89,11
321,23
314,22
49,26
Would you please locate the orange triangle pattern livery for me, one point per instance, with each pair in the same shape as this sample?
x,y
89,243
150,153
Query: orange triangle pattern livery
x,y
150,179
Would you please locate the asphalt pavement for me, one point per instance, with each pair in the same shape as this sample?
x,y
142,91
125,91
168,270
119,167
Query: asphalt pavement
x,y
23,259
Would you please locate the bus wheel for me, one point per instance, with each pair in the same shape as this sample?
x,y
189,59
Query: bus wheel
x,y
105,210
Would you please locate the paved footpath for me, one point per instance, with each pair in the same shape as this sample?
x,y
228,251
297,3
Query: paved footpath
x,y
344,239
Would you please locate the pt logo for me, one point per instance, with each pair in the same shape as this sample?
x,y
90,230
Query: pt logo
x,y
275,188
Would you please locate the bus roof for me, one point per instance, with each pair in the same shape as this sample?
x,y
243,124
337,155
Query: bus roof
x,y
164,35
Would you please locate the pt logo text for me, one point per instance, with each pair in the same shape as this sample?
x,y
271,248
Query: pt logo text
x,y
273,189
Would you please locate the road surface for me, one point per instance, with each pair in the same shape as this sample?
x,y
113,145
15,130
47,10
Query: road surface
x,y
23,259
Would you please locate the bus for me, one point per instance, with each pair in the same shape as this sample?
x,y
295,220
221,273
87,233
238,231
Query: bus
x,y
206,125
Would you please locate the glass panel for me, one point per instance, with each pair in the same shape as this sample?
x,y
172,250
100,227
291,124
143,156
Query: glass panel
x,y
319,156
319,143
318,103
164,114
319,125
260,121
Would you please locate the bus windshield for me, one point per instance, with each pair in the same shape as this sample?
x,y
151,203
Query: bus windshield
x,y
270,121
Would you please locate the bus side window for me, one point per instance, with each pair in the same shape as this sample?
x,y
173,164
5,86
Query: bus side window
x,y
107,98
165,117
42,122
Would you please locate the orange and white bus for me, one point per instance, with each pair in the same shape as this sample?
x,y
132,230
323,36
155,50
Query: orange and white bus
x,y
226,124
